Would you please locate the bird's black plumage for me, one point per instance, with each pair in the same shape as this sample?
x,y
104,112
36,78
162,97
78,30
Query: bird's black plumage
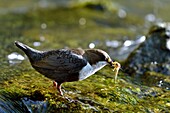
x,y
60,65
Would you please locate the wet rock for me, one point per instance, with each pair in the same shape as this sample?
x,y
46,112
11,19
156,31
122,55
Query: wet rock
x,y
153,54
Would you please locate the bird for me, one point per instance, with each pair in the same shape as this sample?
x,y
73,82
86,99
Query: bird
x,y
67,65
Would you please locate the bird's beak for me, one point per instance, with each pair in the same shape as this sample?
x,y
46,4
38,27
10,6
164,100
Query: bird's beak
x,y
116,66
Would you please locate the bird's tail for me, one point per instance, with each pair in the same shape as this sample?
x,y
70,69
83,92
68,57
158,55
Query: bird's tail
x,y
30,52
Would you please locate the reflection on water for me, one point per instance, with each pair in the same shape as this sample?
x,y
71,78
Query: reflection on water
x,y
128,43
150,18
15,58
123,49
37,44
140,39
113,43
91,45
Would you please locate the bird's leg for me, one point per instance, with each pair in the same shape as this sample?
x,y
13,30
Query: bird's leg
x,y
58,86
59,89
54,84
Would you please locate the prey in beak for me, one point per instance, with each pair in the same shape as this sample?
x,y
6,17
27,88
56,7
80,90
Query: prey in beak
x,y
116,66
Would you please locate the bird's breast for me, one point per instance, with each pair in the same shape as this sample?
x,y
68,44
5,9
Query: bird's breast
x,y
89,70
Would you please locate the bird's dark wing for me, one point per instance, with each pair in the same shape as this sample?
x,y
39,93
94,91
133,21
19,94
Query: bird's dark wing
x,y
61,61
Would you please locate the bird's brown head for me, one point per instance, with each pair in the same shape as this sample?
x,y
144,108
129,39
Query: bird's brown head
x,y
96,55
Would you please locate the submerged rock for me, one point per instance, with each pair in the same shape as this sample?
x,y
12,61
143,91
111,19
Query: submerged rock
x,y
153,54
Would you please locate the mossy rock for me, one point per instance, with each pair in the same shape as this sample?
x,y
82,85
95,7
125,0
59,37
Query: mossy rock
x,y
151,55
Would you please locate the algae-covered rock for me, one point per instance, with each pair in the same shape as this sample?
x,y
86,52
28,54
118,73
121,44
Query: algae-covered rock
x,y
153,54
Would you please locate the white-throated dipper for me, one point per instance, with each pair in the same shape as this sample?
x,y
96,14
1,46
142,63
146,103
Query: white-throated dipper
x,y
67,65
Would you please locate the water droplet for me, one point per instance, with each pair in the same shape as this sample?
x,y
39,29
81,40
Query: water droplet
x,y
91,45
167,88
154,62
43,26
15,55
128,43
168,44
82,21
150,17
140,40
15,58
113,43
122,13
42,38
37,43
167,33
160,81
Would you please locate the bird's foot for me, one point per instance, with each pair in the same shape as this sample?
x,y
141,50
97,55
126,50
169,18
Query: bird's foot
x,y
70,99
58,87
54,84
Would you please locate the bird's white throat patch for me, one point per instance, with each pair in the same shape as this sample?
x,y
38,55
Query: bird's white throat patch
x,y
89,70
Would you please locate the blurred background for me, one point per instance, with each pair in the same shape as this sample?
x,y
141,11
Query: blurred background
x,y
110,25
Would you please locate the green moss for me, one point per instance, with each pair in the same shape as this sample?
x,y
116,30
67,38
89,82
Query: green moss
x,y
98,91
